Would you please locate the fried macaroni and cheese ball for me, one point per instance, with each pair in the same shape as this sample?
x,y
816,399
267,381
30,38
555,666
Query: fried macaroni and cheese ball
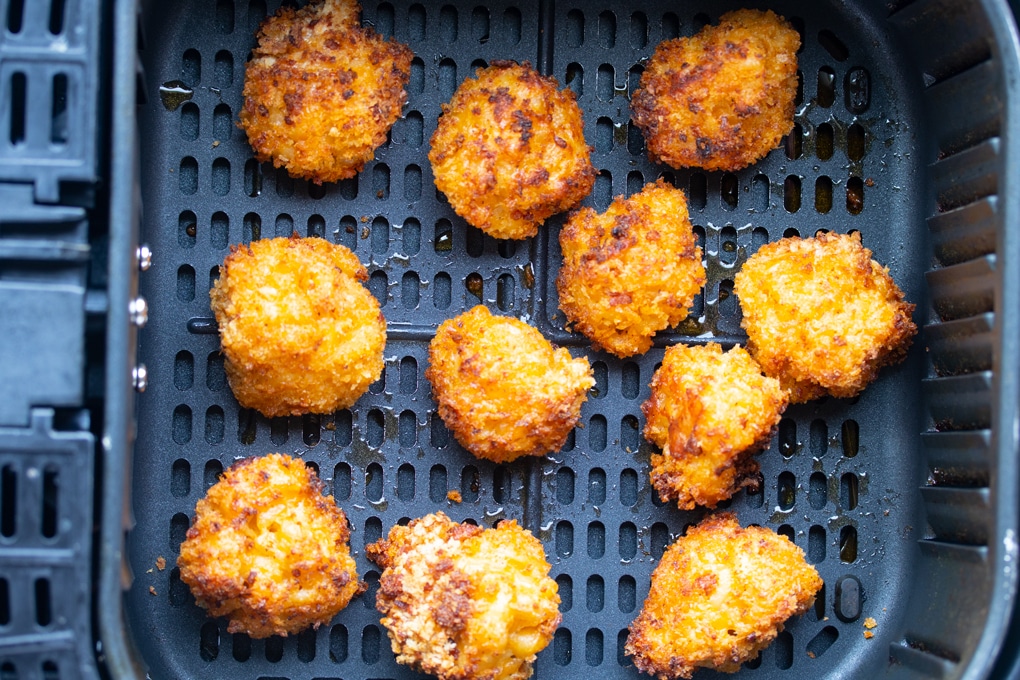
x,y
465,603
320,92
821,315
722,99
710,411
719,596
509,150
268,550
631,271
502,389
299,331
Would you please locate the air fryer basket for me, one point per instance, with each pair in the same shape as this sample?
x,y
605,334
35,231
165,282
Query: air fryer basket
x,y
903,498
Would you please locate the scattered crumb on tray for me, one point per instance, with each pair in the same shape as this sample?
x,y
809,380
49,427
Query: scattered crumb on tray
x,y
152,591
454,496
868,635
161,563
870,623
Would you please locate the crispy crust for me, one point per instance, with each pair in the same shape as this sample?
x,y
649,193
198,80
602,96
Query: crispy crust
x,y
268,550
709,412
502,389
299,331
821,315
719,596
509,150
465,603
723,98
320,92
631,271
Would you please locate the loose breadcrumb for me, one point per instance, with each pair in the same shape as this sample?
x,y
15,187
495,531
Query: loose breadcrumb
x,y
631,271
719,596
268,550
454,496
465,603
722,99
870,623
709,412
509,150
503,389
821,315
161,563
868,635
320,92
299,330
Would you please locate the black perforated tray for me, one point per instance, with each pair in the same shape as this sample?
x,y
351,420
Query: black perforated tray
x,y
918,547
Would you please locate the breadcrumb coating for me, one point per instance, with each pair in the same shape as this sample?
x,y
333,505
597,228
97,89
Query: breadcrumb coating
x,y
268,550
722,99
719,596
709,412
509,150
821,315
321,92
502,389
299,331
631,271
465,603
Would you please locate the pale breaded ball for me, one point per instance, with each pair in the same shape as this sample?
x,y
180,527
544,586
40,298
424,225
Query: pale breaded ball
x,y
719,596
509,150
502,389
709,412
821,315
320,92
268,550
722,99
299,331
465,603
631,271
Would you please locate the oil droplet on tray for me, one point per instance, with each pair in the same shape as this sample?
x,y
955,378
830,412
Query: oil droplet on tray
x,y
444,242
474,285
173,93
528,276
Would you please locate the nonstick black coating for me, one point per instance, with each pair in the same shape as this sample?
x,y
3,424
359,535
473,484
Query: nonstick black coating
x,y
841,477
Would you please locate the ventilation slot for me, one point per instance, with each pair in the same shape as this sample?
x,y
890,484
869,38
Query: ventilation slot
x,y
18,103
49,502
58,115
8,500
43,607
15,15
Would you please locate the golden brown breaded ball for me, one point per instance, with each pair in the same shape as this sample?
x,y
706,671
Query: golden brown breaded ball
x,y
320,92
719,596
509,150
465,603
299,331
268,550
502,389
821,315
631,271
722,99
709,411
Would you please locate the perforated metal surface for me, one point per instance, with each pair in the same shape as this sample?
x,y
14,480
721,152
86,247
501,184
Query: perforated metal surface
x,y
840,479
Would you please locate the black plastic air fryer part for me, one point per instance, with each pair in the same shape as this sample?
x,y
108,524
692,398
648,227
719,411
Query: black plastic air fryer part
x,y
49,129
49,71
45,565
904,499
49,77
